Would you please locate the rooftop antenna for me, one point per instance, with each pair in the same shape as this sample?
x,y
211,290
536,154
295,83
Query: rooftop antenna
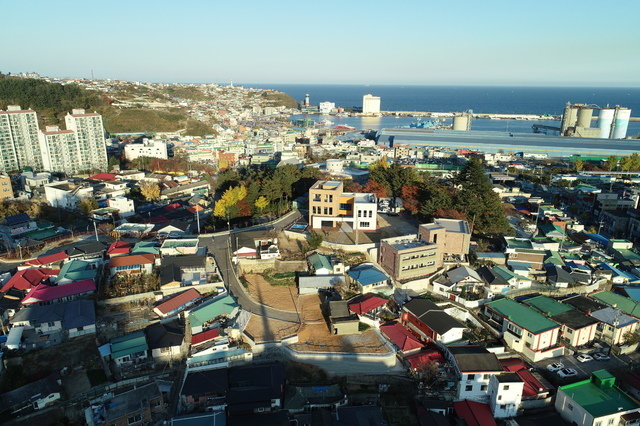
x,y
91,74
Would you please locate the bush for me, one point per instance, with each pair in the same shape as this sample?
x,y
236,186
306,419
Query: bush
x,y
363,327
315,240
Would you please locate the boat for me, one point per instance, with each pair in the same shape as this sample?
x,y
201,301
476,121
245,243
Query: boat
x,y
326,123
344,127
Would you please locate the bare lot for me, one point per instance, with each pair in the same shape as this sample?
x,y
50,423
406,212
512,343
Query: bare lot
x,y
279,297
263,329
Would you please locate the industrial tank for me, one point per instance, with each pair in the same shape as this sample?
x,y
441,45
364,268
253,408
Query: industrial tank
x,y
605,119
569,117
462,122
584,117
621,122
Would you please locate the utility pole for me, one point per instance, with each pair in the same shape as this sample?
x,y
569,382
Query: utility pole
x,y
95,228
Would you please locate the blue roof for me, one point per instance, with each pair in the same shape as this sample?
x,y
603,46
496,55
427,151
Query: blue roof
x,y
598,238
633,292
617,272
17,218
366,274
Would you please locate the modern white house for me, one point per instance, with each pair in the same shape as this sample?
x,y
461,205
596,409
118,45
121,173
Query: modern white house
x,y
505,394
148,148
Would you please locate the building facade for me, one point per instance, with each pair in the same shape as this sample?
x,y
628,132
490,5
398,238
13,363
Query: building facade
x,y
19,142
370,104
330,207
408,257
91,141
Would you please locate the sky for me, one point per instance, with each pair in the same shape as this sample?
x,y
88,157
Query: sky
x,y
466,42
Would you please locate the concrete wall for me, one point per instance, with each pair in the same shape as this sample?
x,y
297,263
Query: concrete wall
x,y
202,288
320,358
250,266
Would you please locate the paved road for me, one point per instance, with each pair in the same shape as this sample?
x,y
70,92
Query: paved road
x,y
220,247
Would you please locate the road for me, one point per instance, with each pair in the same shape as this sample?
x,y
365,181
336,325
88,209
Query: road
x,y
219,246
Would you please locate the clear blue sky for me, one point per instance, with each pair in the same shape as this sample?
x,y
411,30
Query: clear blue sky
x,y
466,42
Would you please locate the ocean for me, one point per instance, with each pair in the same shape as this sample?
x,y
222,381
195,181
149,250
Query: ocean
x,y
487,100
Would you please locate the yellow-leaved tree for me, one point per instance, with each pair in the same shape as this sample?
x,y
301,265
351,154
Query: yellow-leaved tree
x,y
261,203
231,197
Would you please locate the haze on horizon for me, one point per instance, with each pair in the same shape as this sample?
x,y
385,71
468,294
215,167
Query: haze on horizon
x,y
501,43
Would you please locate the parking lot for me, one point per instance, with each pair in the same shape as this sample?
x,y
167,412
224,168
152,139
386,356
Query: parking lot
x,y
616,365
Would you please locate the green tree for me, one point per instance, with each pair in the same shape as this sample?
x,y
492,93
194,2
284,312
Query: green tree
x,y
579,165
625,163
635,162
315,240
611,163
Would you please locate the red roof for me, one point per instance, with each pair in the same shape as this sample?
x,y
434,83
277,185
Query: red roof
x,y
47,260
45,293
119,247
420,359
205,336
172,207
29,278
366,303
474,413
134,259
178,300
400,336
194,209
513,364
532,386
107,177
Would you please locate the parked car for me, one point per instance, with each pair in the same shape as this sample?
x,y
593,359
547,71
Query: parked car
x,y
601,357
567,372
584,358
556,366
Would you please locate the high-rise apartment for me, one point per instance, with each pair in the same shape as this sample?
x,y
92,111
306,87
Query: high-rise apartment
x,y
90,134
370,104
60,150
19,142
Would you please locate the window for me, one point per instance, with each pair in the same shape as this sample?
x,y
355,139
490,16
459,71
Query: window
x,y
483,388
134,419
486,376
51,324
610,421
471,377
570,407
529,335
506,387
499,397
569,331
468,388
364,224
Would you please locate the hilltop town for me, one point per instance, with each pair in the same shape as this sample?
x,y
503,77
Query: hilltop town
x,y
230,266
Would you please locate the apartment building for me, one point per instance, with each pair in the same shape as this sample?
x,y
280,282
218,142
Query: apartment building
x,y
452,236
148,148
90,134
60,150
370,104
6,192
408,257
19,142
330,207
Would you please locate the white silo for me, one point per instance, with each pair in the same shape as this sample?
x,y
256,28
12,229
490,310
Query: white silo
x,y
569,117
462,122
605,119
621,123
584,117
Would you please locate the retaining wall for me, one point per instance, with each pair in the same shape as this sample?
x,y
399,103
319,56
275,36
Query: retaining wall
x,y
252,266
202,288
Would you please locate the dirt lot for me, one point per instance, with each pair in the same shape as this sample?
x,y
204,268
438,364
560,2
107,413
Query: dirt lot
x,y
279,297
266,329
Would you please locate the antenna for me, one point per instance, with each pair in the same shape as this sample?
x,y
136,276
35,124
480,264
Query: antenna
x,y
91,74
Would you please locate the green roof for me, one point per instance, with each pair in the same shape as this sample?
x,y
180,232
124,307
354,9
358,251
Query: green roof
x,y
128,344
522,315
76,270
145,247
628,254
507,274
320,261
599,396
625,304
179,243
547,305
553,257
212,309
513,243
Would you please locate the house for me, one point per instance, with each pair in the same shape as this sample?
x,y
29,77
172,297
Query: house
x,y
367,304
546,305
402,339
66,194
255,389
307,398
622,303
515,280
578,329
132,264
320,264
313,283
474,366
330,207
179,247
494,282
205,390
77,317
369,279
267,248
88,250
584,304
408,257
27,279
53,261
452,236
35,395
118,248
176,271
177,303
130,348
78,270
596,401
137,406
342,321
472,413
431,322
524,329
558,277
9,304
166,341
44,294
19,224
204,337
613,325
505,394
173,229
205,314
459,284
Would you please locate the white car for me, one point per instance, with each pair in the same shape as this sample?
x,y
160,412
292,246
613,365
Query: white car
x,y
601,357
584,358
567,372
556,366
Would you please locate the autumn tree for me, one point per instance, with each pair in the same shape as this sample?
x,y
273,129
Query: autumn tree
x,y
410,195
579,165
261,203
150,191
373,187
353,187
87,204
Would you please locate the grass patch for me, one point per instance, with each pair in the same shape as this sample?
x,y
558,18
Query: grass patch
x,y
198,128
281,279
363,327
141,120
244,282
96,377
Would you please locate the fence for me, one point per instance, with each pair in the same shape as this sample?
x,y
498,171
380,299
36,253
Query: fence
x,y
202,288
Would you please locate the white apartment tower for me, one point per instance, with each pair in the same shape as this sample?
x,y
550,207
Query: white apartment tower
x,y
90,134
60,151
19,142
370,104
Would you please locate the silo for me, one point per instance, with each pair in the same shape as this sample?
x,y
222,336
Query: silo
x,y
621,122
569,117
584,117
462,122
605,119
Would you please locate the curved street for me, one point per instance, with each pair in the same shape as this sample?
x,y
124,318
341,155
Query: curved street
x,y
220,245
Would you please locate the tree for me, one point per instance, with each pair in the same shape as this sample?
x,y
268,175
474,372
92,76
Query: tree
x,y
86,205
635,162
631,338
579,165
315,240
261,203
150,191
611,163
353,187
410,195
625,163
373,187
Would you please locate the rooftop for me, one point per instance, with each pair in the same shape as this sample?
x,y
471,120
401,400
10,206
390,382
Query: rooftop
x,y
547,305
522,315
